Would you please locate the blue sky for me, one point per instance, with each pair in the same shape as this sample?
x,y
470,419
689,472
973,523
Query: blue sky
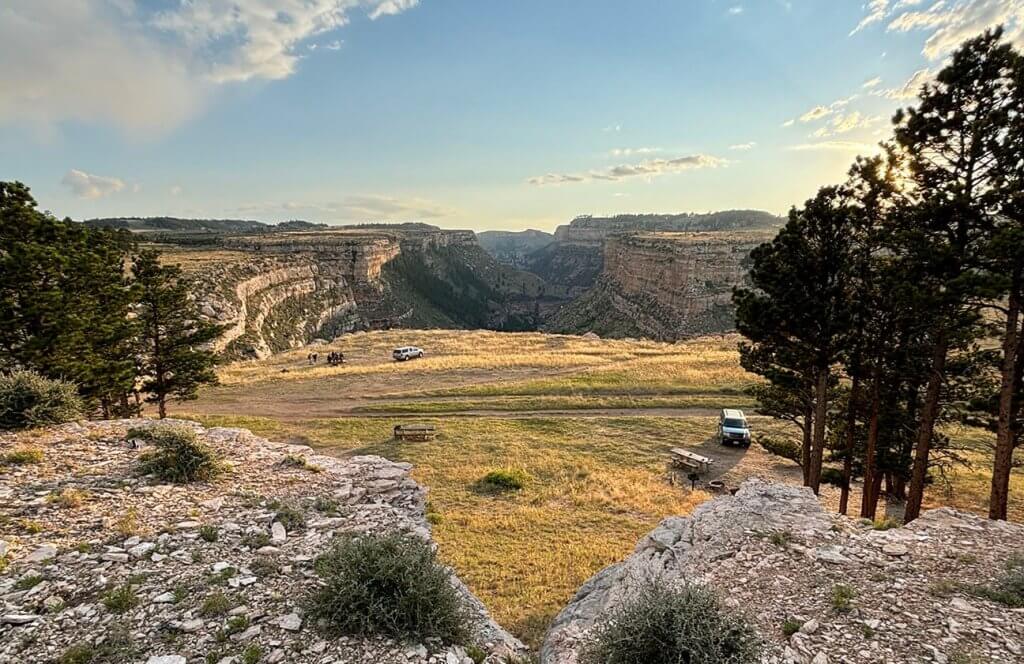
x,y
471,113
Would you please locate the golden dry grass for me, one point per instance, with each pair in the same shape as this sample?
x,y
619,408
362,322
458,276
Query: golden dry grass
x,y
597,485
595,488
447,351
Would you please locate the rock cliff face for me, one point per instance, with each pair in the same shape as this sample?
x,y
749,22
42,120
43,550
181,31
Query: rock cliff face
x,y
293,287
664,285
773,553
179,549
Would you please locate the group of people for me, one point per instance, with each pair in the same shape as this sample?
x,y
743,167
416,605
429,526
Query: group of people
x,y
333,358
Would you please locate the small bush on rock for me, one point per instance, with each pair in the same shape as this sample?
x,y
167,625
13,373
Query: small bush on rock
x,y
390,585
669,625
178,455
29,400
1008,587
21,456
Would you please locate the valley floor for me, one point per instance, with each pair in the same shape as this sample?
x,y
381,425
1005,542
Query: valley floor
x,y
591,422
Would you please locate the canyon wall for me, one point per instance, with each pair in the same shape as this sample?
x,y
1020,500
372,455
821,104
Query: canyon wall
x,y
663,285
283,290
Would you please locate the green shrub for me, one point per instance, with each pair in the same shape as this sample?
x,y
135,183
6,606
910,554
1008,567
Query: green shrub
x,y
791,626
505,479
291,517
666,625
217,604
208,532
29,400
833,477
252,654
391,585
1008,588
121,599
179,456
783,447
842,597
885,524
21,456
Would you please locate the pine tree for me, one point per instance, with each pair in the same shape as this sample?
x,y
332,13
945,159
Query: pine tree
x,y
174,360
951,143
64,300
801,299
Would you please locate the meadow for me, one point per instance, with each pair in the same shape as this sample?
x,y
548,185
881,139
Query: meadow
x,y
588,422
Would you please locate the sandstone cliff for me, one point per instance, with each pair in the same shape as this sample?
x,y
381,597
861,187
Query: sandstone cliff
x,y
663,285
290,288
773,553
176,547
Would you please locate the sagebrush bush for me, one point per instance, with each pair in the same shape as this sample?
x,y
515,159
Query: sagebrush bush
x,y
1008,587
672,625
29,400
505,479
178,455
389,585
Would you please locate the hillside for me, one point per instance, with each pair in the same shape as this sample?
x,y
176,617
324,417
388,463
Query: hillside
x,y
117,566
514,247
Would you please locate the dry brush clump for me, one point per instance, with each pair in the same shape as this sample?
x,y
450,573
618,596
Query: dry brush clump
x,y
178,456
663,624
29,400
388,585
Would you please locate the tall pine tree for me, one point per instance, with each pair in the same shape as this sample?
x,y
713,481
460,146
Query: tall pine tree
x,y
174,359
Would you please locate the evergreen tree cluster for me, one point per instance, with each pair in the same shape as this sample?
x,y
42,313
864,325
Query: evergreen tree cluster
x,y
86,305
872,314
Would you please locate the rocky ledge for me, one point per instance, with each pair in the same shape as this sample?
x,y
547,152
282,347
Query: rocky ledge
x,y
209,572
822,588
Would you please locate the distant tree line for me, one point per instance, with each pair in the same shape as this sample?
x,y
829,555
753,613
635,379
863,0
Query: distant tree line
x,y
84,304
890,305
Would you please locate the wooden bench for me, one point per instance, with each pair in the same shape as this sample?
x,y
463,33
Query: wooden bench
x,y
416,432
681,458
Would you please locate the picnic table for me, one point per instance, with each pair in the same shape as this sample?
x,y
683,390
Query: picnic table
x,y
417,432
681,458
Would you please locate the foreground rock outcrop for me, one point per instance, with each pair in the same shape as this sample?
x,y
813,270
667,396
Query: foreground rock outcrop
x,y
102,558
772,552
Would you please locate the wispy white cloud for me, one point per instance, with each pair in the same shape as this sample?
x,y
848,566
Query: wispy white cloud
x,y
626,152
872,83
743,146
74,59
614,128
909,89
947,22
819,112
650,168
89,186
844,123
834,146
736,10
176,190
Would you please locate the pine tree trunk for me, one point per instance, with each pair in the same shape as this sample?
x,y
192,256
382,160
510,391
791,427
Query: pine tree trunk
x,y
161,405
926,429
1003,461
805,449
818,444
867,503
851,421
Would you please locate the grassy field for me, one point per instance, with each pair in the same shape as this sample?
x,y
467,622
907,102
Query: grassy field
x,y
558,409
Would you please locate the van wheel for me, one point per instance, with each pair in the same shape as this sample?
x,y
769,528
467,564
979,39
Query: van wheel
x,y
420,356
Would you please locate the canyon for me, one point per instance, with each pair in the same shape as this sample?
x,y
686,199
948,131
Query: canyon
x,y
664,277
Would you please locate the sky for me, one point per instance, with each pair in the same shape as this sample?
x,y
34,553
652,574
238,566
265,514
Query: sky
x,y
481,114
